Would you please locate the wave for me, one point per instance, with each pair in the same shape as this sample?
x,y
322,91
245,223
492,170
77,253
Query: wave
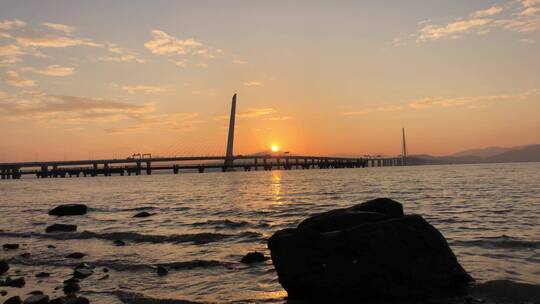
x,y
222,224
194,238
506,291
120,265
138,298
502,241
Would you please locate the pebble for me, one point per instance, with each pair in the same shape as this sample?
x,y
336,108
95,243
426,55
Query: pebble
x,y
18,282
253,257
10,246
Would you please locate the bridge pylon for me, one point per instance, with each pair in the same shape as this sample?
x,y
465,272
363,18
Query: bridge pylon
x,y
229,157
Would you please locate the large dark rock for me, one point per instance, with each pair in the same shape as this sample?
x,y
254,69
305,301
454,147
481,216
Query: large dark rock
x,y
370,251
61,228
69,209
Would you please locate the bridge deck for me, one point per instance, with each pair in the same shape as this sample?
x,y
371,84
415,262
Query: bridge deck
x,y
108,167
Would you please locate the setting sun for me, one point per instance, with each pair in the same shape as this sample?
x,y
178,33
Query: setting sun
x,y
274,148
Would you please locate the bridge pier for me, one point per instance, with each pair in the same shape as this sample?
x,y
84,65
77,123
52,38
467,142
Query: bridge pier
x,y
148,168
255,163
175,169
201,169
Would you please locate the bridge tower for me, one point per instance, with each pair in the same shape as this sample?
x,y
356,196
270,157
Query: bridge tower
x,y
229,157
404,152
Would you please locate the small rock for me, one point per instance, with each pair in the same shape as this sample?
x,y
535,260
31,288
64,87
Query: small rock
x,y
3,293
253,257
18,282
10,246
25,255
105,270
119,243
4,267
43,275
61,228
76,255
51,246
82,300
143,214
81,273
13,300
162,271
37,299
69,209
71,288
36,292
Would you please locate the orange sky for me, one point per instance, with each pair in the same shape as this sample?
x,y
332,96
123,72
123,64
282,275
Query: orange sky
x,y
101,80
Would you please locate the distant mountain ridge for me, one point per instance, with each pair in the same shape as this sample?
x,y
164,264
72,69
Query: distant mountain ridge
x,y
528,153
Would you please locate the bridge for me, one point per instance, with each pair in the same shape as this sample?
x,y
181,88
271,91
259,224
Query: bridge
x,y
201,164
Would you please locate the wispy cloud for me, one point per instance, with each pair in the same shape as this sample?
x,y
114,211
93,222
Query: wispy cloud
x,y
470,101
517,16
165,44
11,24
52,70
59,27
13,78
145,89
252,83
119,54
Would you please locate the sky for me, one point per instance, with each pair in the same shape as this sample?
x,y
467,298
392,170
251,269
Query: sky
x,y
102,79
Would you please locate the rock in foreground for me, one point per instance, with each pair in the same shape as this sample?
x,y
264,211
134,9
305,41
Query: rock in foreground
x,y
370,251
69,209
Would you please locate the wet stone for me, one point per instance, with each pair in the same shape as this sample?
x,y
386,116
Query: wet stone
x,y
43,275
69,209
253,257
13,300
143,214
10,246
37,299
18,282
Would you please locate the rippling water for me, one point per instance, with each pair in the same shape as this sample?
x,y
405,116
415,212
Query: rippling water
x,y
205,223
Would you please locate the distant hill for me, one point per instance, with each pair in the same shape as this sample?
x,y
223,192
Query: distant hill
x,y
530,153
483,152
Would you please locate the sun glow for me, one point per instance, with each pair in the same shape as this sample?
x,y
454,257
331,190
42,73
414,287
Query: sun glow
x,y
274,148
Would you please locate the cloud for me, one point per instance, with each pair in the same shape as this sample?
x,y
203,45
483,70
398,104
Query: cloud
x,y
121,55
53,41
257,112
202,65
10,53
470,101
59,27
53,70
239,61
145,89
280,118
252,83
452,30
389,108
527,41
14,79
37,105
517,16
494,10
11,24
355,113
165,44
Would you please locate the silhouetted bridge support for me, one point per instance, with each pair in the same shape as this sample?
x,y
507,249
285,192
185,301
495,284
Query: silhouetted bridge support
x,y
121,167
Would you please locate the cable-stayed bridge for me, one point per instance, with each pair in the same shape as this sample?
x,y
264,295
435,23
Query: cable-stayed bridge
x,y
145,164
